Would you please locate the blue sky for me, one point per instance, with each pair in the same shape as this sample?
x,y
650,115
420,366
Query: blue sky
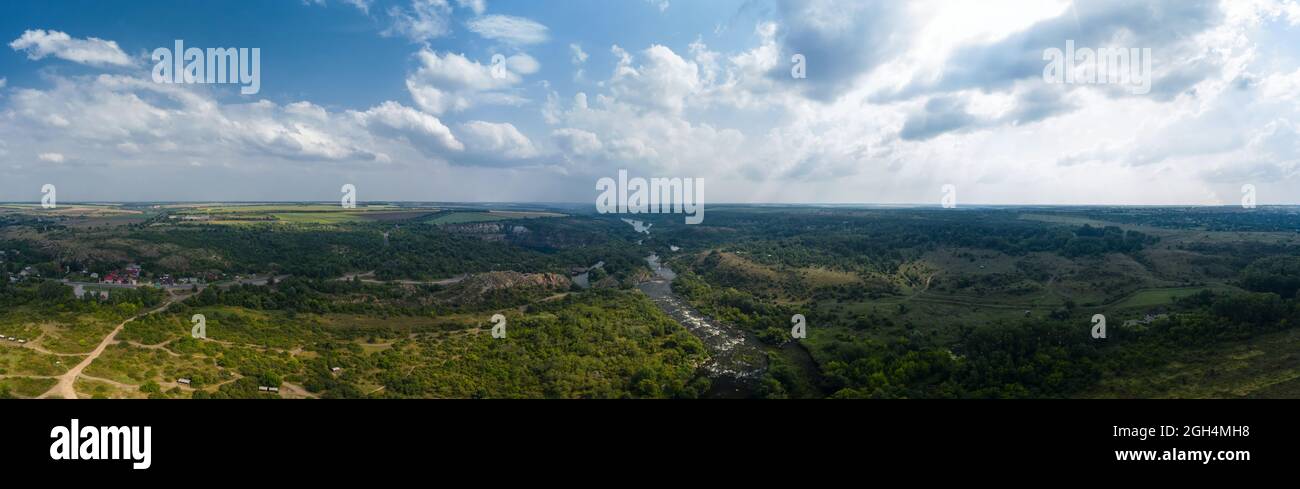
x,y
334,54
899,99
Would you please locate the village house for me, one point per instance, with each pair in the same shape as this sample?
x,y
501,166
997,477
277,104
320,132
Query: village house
x,y
126,276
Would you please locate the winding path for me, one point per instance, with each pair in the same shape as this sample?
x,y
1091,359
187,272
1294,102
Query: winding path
x,y
65,386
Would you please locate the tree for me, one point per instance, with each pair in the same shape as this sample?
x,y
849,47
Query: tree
x,y
1276,274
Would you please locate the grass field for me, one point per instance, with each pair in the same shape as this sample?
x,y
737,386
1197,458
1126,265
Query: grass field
x,y
302,214
489,216
70,210
26,386
1268,366
272,208
15,360
334,217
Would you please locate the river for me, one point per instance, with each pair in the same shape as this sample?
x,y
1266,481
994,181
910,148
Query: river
x,y
736,358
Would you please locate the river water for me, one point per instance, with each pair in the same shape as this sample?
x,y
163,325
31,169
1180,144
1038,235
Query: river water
x,y
582,279
736,359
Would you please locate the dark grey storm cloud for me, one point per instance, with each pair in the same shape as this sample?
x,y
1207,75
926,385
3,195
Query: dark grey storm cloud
x,y
839,40
1036,103
1162,25
941,114
1165,26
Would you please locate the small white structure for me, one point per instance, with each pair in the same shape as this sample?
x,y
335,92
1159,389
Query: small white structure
x,y
336,369
22,341
273,389
183,381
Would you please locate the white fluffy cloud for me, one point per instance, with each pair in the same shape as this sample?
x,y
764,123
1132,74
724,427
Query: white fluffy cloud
x,y
579,56
423,21
422,130
51,157
39,43
576,142
899,99
120,118
664,80
610,134
509,29
497,139
362,5
523,64
451,82
476,6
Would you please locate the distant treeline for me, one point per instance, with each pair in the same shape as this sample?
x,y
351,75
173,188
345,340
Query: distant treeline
x,y
415,251
881,240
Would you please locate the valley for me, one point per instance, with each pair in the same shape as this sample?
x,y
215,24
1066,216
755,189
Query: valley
x,y
395,300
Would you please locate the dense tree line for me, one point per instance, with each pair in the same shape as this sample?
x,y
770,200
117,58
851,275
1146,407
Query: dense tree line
x,y
1052,357
866,241
1277,274
414,251
58,296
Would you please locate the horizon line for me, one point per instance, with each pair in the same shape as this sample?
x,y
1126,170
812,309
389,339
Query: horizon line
x,y
573,203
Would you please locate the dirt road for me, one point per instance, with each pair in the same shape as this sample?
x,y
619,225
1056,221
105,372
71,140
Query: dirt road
x,y
65,387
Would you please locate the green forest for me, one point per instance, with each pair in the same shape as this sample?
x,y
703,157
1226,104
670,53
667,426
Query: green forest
x,y
899,303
